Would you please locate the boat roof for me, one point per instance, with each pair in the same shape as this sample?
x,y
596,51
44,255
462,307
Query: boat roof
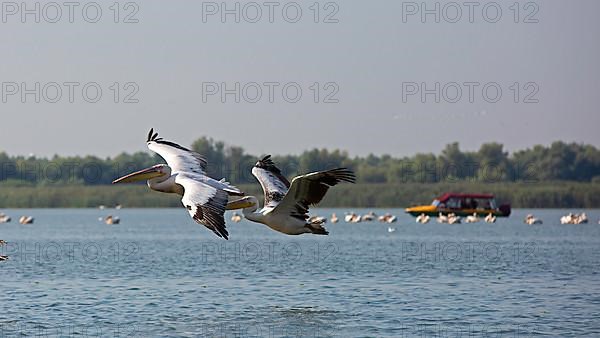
x,y
448,195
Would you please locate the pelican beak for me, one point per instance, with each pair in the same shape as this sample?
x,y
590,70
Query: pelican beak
x,y
142,175
241,203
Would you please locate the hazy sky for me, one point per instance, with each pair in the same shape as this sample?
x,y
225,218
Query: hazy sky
x,y
370,59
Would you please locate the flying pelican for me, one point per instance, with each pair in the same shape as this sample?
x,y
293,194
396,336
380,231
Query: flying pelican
x,y
286,205
185,174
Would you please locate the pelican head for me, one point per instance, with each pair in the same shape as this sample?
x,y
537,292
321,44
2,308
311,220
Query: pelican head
x,y
159,170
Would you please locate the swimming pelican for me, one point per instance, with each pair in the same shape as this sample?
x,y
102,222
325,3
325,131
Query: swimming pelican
x,y
110,219
334,218
286,205
26,220
567,219
368,217
422,218
185,174
391,229
529,219
581,219
472,218
4,218
453,219
317,219
387,218
236,217
2,257
490,218
442,218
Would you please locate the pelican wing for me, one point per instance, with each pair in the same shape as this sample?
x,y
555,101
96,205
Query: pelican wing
x,y
205,201
309,189
274,184
179,158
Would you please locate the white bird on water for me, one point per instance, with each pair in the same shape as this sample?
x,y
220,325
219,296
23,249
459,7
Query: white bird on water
x,y
490,218
26,220
2,257
472,218
530,219
236,217
422,218
286,205
185,174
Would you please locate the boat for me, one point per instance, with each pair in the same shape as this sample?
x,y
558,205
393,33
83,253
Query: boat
x,y
462,205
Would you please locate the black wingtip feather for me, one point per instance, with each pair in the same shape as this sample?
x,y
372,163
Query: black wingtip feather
x,y
341,175
267,163
150,135
153,137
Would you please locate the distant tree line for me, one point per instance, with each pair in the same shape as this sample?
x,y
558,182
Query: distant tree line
x,y
490,164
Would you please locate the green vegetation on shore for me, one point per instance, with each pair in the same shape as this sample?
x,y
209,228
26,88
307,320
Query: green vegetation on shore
x,y
521,195
559,175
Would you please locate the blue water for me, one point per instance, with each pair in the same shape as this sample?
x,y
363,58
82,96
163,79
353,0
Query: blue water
x,y
160,274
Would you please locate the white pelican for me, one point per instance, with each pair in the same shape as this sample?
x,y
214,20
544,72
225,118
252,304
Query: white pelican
x,y
286,205
391,229
110,219
567,219
442,218
236,217
490,218
581,219
387,218
472,218
317,219
4,218
532,220
26,220
453,219
2,257
422,218
334,218
185,174
368,217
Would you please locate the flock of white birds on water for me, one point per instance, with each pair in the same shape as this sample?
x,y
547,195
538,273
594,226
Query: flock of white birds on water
x,y
4,218
286,203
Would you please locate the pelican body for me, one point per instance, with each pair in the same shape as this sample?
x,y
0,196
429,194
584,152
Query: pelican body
x,y
185,174
286,205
